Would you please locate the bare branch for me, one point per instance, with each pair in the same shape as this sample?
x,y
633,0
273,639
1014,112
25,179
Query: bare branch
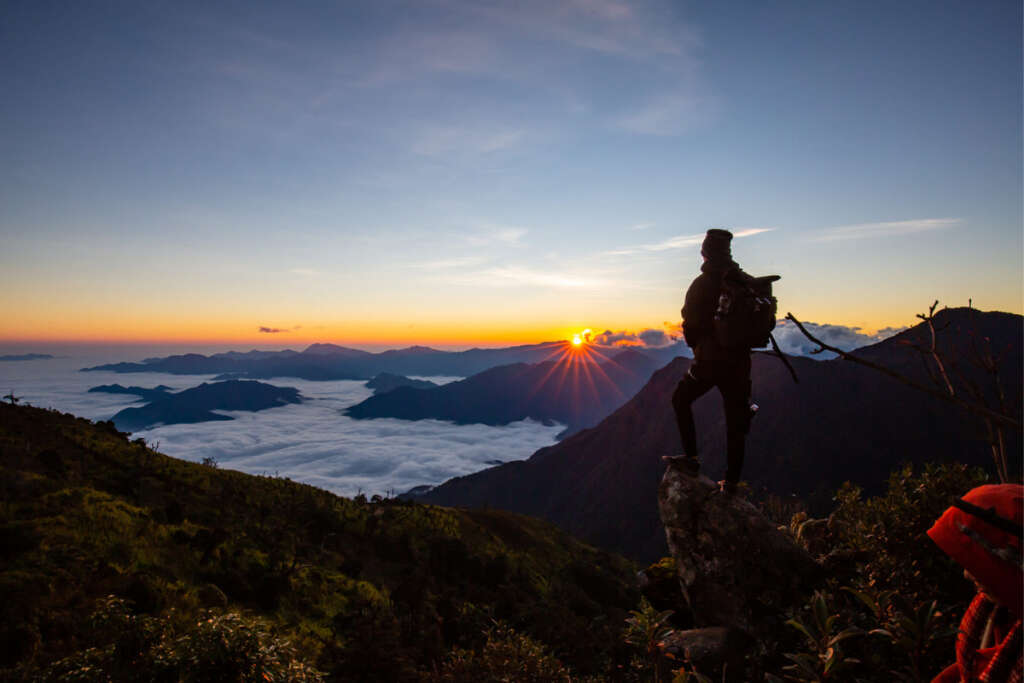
x,y
966,405
932,351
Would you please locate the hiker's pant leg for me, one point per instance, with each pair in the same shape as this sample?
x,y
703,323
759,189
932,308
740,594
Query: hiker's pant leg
x,y
692,387
735,390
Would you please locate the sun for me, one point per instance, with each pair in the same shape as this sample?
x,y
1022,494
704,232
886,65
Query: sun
x,y
581,338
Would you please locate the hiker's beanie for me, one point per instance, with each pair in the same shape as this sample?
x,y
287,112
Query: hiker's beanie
x,y
982,533
717,244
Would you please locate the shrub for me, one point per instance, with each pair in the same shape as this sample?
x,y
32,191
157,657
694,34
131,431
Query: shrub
x,y
216,647
506,656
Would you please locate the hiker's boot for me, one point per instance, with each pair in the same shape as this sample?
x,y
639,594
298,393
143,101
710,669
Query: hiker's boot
x,y
688,464
727,487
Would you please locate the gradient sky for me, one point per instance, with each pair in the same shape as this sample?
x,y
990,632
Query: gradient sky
x,y
497,172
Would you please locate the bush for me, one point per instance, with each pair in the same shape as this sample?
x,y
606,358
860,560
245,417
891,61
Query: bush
x,y
216,647
506,656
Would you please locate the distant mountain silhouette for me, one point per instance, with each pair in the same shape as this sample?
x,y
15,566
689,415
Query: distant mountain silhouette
x,y
842,423
155,394
331,362
577,390
26,356
196,404
385,382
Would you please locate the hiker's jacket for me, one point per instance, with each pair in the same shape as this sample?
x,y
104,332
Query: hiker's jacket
x,y
699,314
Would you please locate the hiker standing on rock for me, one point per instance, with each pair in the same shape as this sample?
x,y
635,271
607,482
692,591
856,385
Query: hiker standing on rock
x,y
720,325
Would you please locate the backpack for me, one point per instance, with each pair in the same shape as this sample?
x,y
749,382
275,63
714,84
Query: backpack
x,y
746,310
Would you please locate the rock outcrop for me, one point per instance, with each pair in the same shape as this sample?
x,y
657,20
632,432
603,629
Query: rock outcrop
x,y
736,569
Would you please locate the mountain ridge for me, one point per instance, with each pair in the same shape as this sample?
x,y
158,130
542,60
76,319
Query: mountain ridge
x,y
578,390
807,439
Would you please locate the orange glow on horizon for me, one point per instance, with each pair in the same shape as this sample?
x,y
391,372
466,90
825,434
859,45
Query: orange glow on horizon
x,y
370,335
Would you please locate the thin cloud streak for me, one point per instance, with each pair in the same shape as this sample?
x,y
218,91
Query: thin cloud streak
x,y
678,242
519,276
671,115
499,235
446,264
884,229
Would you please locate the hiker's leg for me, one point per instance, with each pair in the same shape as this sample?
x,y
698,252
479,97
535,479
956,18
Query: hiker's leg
x,y
735,389
689,390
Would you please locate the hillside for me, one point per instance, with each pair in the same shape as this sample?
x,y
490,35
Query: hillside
x,y
364,590
198,403
578,390
842,422
385,382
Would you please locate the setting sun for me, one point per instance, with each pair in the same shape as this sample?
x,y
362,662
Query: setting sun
x,y
581,338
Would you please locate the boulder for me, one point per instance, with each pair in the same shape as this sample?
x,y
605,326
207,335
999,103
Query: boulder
x,y
715,650
736,569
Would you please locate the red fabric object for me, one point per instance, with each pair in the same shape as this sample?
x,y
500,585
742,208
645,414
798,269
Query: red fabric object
x,y
998,664
982,533
990,554
951,674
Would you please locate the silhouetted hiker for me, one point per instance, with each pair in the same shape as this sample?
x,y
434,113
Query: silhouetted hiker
x,y
714,364
982,532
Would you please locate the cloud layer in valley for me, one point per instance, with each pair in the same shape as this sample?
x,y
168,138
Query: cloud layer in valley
x,y
314,443
311,442
793,342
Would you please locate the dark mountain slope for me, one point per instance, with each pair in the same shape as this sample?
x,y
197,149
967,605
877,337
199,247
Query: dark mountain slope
x,y
366,591
577,391
196,404
385,382
842,422
156,393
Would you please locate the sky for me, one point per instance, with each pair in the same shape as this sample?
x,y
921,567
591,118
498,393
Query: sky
x,y
487,173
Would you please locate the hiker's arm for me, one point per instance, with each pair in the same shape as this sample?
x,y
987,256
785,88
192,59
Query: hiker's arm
x,y
696,314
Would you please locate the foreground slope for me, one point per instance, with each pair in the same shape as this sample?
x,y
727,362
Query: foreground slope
x,y
842,422
366,590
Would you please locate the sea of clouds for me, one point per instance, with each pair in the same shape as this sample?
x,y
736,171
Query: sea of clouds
x,y
311,442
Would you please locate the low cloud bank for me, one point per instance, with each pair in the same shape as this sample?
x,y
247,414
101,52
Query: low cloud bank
x,y
311,442
314,443
651,337
789,338
792,341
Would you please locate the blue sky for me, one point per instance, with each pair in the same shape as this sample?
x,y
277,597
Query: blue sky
x,y
488,172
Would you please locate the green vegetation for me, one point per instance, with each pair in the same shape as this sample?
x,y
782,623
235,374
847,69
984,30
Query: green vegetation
x,y
124,564
895,608
117,556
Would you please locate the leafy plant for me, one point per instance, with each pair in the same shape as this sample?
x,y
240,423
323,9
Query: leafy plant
x,y
646,630
916,633
824,660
